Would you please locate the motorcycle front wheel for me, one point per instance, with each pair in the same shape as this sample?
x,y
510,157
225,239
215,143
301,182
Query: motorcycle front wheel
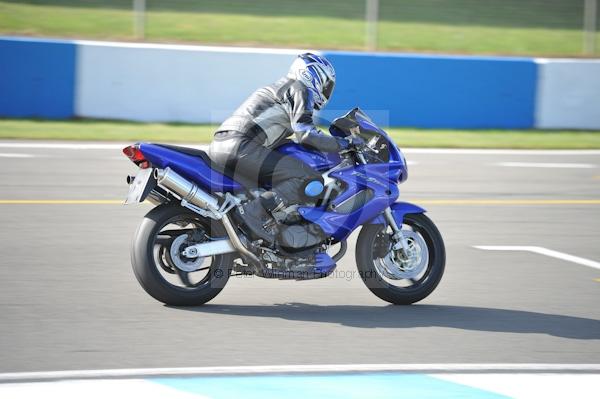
x,y
162,270
397,276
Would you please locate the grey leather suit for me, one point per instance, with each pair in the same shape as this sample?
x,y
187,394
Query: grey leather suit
x,y
244,144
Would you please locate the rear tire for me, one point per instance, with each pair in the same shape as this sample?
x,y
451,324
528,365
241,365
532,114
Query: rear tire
x,y
382,287
147,269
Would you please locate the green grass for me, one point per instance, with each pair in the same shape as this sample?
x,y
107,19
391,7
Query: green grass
x,y
532,27
128,131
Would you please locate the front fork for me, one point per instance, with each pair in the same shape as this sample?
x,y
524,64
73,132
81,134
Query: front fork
x,y
398,239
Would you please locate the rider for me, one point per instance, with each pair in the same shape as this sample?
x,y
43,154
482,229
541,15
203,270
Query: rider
x,y
244,144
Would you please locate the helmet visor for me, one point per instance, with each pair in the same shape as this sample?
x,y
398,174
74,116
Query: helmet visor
x,y
328,89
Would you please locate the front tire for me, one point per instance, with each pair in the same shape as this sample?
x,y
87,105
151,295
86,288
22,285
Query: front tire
x,y
389,284
157,272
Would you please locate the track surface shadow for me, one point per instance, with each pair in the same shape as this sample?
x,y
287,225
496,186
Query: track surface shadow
x,y
459,317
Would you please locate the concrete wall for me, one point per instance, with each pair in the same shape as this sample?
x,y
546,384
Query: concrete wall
x,y
172,83
568,94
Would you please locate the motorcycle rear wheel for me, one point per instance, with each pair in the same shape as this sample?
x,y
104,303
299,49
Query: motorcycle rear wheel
x,y
157,272
388,283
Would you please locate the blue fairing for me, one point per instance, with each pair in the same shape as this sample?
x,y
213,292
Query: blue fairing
x,y
189,166
399,209
380,178
316,160
368,188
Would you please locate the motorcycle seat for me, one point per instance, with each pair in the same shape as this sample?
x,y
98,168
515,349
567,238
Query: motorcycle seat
x,y
198,153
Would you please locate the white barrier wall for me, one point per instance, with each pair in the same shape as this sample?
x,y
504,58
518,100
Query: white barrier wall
x,y
147,82
568,94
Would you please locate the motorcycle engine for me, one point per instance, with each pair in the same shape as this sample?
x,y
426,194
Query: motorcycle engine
x,y
298,237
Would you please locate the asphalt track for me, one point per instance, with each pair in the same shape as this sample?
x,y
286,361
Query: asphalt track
x,y
68,298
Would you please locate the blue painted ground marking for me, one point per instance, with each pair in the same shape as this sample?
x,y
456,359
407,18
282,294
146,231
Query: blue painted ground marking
x,y
363,385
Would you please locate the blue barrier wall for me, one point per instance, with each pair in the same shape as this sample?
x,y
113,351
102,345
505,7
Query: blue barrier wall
x,y
436,91
37,78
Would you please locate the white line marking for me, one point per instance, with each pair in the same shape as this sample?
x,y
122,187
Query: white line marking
x,y
543,251
82,146
450,151
65,146
435,367
476,151
546,165
15,155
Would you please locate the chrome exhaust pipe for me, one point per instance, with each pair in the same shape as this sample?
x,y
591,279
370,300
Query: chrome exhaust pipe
x,y
237,243
200,198
185,189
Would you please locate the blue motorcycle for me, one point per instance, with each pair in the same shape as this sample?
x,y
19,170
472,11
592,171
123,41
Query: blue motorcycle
x,y
188,246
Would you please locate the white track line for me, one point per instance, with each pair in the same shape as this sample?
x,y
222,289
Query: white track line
x,y
331,368
546,165
543,251
475,151
450,151
82,146
65,146
15,155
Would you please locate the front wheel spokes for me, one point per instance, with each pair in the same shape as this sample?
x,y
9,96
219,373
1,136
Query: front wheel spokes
x,y
406,268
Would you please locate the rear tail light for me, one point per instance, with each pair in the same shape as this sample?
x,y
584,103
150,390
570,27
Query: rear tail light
x,y
136,156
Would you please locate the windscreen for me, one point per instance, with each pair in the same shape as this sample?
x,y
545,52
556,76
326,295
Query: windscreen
x,y
356,122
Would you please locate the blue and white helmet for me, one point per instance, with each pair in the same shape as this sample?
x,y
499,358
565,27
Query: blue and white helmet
x,y
317,74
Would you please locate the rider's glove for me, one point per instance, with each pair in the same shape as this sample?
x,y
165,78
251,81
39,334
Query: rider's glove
x,y
356,141
343,143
